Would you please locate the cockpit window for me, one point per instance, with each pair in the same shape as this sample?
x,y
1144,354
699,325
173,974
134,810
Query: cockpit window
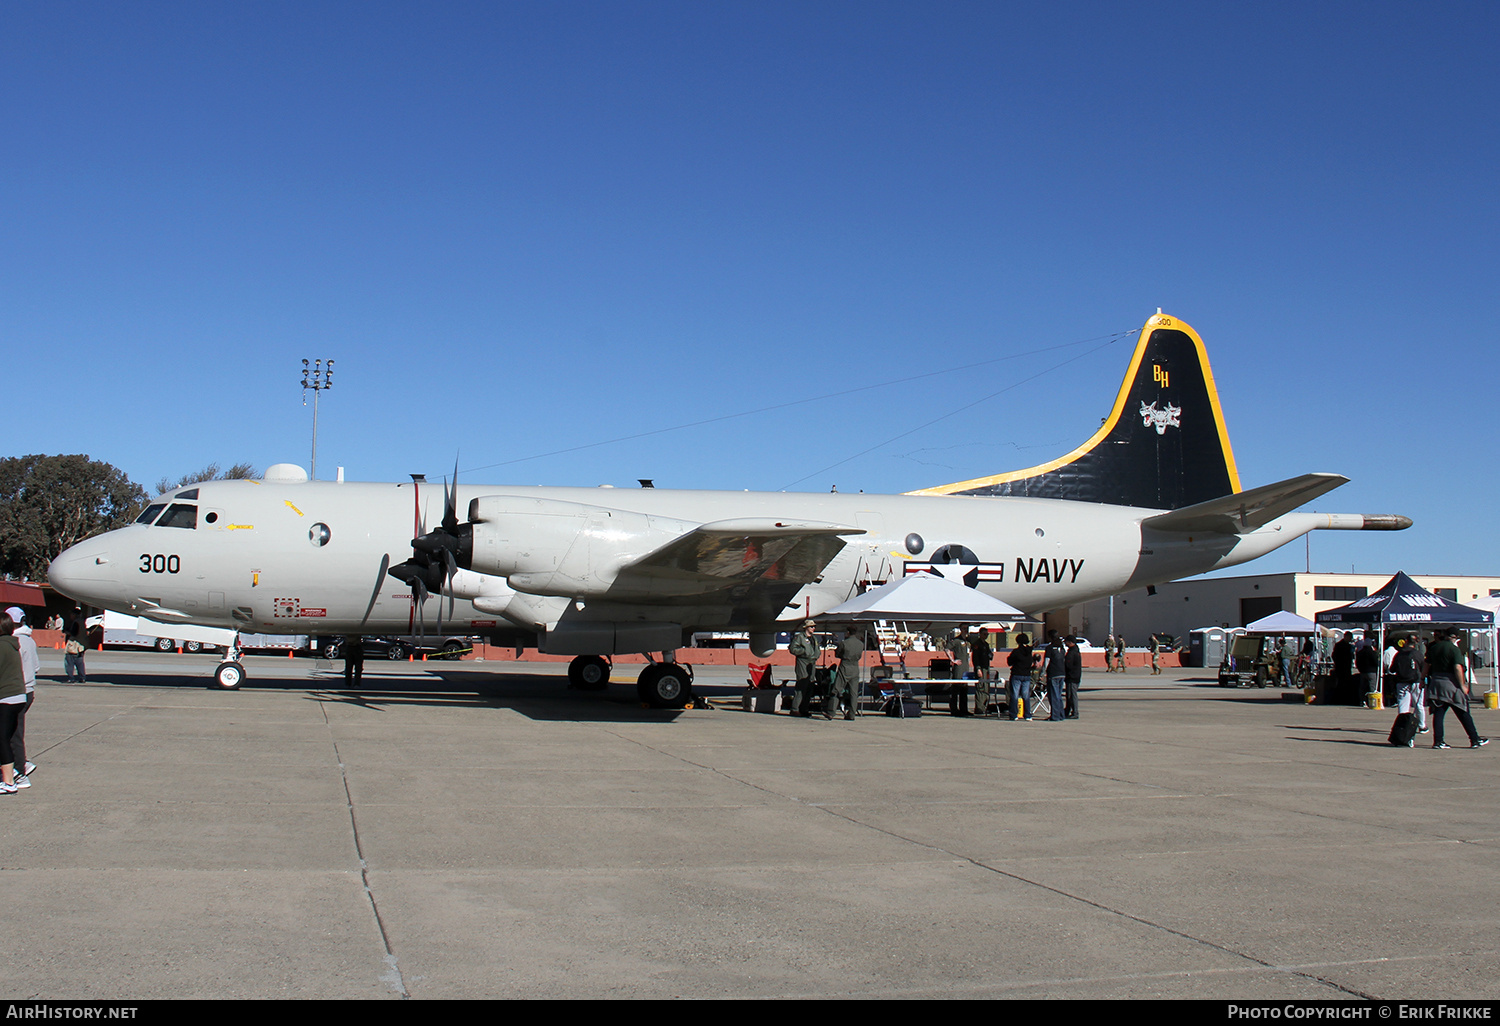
x,y
151,513
191,493
180,515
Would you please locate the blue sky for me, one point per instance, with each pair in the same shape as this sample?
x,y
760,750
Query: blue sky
x,y
523,229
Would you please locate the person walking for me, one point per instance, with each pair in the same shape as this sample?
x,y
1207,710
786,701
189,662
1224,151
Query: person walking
x,y
1406,669
30,663
1448,688
12,701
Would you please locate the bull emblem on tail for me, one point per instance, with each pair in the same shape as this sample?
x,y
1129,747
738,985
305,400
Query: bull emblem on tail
x,y
1168,416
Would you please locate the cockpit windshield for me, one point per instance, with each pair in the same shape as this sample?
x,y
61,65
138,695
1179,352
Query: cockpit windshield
x,y
152,511
180,515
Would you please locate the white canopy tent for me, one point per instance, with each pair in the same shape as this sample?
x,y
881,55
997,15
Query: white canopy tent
x,y
923,598
1492,604
1282,622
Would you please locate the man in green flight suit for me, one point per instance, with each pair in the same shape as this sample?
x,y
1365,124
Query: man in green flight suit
x,y
804,648
846,683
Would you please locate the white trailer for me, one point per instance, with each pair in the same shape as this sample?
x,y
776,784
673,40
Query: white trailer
x,y
139,632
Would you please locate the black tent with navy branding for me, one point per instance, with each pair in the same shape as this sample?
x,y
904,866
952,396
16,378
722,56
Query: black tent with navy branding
x,y
1403,603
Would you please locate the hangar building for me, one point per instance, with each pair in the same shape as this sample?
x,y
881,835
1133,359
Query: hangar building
x,y
1181,606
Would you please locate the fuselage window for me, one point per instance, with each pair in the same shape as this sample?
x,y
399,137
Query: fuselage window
x,y
180,515
151,513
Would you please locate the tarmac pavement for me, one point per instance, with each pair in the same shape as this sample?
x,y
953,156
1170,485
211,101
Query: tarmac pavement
x,y
451,833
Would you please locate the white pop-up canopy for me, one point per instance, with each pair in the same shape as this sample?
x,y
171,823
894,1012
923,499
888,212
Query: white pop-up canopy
x,y
923,598
1283,621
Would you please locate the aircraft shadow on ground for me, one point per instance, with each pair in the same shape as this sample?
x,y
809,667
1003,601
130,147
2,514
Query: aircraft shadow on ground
x,y
535,697
554,704
1272,698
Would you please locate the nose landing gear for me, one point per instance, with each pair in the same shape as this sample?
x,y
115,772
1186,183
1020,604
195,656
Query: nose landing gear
x,y
230,674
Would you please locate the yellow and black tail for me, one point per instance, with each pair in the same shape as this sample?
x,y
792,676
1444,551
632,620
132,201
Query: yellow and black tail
x,y
1163,446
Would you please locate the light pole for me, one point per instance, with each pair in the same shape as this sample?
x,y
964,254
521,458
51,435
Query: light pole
x,y
317,377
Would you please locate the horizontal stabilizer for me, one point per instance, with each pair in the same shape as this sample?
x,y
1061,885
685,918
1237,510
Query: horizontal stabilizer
x,y
1249,510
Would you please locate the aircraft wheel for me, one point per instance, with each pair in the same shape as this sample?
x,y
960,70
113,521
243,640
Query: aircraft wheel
x,y
589,673
398,651
229,676
164,645
665,685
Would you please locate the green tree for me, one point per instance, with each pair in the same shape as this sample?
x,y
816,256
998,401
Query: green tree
x,y
48,503
238,472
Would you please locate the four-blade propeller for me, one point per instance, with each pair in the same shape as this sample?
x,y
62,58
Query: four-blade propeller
x,y
435,555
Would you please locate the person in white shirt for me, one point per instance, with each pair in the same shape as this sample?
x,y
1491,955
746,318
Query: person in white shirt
x,y
30,663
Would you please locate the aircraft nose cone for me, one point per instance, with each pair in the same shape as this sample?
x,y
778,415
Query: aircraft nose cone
x,y
86,573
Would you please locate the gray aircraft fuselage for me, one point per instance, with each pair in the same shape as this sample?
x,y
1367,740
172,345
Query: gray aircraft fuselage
x,y
1153,496
303,557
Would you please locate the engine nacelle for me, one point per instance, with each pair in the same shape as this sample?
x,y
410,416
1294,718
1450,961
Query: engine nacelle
x,y
556,547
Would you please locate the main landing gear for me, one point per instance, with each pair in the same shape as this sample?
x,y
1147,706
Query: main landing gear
x,y
589,673
665,685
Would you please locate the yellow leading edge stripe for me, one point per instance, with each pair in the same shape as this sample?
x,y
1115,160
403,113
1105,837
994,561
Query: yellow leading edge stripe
x,y
1152,323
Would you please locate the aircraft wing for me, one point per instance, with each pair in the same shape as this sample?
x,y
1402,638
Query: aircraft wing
x,y
1249,510
740,555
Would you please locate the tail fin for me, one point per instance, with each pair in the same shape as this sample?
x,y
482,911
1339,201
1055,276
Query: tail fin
x,y
1163,446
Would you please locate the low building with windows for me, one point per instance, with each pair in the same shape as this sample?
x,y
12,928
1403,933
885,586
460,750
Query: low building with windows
x,y
1181,606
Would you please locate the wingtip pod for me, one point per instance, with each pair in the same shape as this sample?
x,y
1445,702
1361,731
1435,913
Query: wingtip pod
x,y
1366,522
1163,446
